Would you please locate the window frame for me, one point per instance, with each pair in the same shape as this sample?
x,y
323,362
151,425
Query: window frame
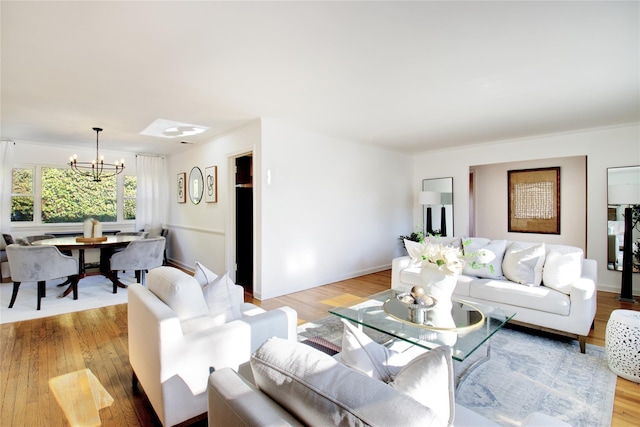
x,y
37,199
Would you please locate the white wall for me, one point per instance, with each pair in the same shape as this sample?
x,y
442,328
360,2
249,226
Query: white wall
x,y
202,232
604,148
325,209
333,209
491,191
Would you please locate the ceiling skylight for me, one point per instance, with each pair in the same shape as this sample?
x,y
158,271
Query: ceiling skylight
x,y
170,129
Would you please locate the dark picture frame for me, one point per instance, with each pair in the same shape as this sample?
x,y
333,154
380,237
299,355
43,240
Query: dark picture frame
x,y
182,187
534,200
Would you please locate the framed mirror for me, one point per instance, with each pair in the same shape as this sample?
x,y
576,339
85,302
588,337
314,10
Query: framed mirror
x,y
623,217
196,185
436,199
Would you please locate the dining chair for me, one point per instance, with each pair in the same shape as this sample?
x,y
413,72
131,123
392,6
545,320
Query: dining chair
x,y
158,231
31,239
6,240
142,234
39,264
139,256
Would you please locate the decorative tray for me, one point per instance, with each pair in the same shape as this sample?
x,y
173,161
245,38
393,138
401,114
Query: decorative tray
x,y
91,239
431,317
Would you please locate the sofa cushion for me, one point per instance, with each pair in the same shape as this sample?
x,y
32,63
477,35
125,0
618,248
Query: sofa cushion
x,y
463,285
429,379
182,293
203,275
220,296
561,270
318,390
367,356
487,252
539,298
411,275
523,263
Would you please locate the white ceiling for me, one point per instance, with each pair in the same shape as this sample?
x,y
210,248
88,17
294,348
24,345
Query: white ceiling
x,y
412,76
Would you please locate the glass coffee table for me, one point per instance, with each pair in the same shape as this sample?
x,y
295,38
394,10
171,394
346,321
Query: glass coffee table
x,y
465,326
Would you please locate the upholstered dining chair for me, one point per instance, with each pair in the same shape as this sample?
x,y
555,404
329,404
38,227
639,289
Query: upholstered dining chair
x,y
142,234
6,240
139,256
158,231
39,264
31,239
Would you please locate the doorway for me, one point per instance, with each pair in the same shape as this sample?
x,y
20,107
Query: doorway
x,y
244,221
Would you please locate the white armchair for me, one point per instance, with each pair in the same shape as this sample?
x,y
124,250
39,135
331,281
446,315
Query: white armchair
x,y
172,365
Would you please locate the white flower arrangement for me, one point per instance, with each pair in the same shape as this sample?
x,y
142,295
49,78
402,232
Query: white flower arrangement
x,y
448,259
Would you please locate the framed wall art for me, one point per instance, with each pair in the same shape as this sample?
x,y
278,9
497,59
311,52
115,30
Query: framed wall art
x,y
182,187
534,200
211,184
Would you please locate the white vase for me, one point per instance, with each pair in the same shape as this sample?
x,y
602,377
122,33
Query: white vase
x,y
438,284
441,319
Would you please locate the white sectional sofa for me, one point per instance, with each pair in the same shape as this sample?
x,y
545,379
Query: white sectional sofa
x,y
546,285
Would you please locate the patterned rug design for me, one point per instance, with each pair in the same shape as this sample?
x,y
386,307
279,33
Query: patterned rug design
x,y
527,372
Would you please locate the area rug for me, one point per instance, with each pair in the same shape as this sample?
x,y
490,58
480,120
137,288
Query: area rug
x,y
93,292
527,372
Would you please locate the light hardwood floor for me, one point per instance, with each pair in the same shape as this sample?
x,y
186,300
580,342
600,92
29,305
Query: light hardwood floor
x,y
35,351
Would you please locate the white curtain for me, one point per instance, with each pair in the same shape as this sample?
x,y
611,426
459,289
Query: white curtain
x,y
152,193
6,165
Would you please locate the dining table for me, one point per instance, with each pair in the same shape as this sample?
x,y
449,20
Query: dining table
x,y
107,244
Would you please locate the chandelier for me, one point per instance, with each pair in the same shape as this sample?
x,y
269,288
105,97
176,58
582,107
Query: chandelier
x,y
96,169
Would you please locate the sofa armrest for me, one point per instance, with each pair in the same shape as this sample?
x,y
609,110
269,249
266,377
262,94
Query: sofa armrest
x,y
280,322
235,402
227,345
397,265
584,296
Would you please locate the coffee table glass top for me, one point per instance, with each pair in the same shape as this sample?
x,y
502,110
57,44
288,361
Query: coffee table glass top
x,y
465,327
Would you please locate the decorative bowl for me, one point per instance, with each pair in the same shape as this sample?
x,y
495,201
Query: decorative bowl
x,y
431,301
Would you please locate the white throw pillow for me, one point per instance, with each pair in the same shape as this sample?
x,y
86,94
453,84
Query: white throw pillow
x,y
429,379
523,263
182,293
487,252
367,356
221,299
319,391
414,249
561,270
203,275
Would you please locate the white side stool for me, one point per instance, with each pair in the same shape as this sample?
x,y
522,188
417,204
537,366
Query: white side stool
x,y
622,341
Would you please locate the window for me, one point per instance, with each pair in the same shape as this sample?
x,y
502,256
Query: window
x,y
22,195
61,196
129,197
69,197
